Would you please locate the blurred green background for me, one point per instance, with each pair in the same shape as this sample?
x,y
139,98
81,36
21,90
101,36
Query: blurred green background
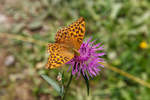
x,y
123,26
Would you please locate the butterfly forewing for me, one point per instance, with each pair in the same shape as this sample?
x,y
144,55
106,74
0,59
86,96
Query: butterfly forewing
x,y
72,35
77,33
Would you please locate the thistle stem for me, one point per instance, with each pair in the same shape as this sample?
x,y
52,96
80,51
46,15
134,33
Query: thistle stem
x,y
67,87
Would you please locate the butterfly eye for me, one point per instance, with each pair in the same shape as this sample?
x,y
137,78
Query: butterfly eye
x,y
82,25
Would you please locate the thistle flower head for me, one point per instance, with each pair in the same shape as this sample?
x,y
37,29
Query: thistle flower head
x,y
88,61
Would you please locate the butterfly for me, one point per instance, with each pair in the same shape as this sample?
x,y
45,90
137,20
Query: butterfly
x,y
67,42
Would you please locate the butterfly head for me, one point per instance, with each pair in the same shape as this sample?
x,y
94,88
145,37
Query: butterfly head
x,y
76,52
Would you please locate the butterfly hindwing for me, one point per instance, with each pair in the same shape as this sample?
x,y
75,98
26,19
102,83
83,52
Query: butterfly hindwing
x,y
59,55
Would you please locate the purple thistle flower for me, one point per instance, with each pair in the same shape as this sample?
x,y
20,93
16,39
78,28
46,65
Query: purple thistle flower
x,y
88,61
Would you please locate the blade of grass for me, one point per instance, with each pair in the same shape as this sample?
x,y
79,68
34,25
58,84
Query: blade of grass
x,y
125,74
22,38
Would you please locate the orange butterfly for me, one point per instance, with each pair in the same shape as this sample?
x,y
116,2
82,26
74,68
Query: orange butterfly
x,y
68,41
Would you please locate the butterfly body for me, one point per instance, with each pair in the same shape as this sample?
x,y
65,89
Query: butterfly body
x,y
67,44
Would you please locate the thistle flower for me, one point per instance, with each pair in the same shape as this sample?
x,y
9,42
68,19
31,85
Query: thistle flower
x,y
88,61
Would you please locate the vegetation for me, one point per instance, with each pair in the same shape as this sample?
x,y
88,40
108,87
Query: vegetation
x,y
27,26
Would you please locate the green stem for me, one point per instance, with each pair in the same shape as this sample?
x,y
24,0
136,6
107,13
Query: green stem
x,y
67,87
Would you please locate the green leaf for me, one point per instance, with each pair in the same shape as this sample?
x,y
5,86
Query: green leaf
x,y
62,90
87,83
53,84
